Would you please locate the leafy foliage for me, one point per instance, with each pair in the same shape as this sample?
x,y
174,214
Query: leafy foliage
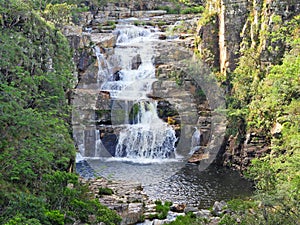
x,y
161,210
59,14
190,219
269,98
36,148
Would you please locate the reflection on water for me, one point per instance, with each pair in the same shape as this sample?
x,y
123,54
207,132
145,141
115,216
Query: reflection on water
x,y
201,188
166,181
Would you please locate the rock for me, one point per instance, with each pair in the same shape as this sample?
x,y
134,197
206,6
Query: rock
x,y
159,222
203,213
214,221
134,213
146,222
162,37
85,60
136,62
190,209
104,40
178,207
276,129
72,30
218,207
197,157
110,142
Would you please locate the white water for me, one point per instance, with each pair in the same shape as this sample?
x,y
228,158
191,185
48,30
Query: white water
x,y
148,137
89,144
196,139
134,84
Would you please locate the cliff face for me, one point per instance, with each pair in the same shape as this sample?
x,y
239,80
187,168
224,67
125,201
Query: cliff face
x,y
230,31
234,25
245,35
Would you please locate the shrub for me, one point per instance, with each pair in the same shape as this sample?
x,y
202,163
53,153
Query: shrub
x,y
161,210
105,191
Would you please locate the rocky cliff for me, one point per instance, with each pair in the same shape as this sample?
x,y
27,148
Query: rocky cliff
x,y
244,34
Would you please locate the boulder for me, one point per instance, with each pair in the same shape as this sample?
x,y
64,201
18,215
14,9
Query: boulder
x,y
134,213
104,40
218,207
178,207
136,62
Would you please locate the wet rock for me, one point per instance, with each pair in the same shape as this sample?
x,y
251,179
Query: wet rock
x,y
162,37
117,76
159,222
110,142
136,62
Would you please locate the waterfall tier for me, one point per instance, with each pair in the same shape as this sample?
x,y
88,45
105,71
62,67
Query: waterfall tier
x,y
138,132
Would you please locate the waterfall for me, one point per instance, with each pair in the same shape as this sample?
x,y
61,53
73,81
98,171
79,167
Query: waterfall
x,y
148,137
196,140
104,70
85,132
145,135
89,143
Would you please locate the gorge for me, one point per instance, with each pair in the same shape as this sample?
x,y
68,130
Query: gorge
x,y
149,112
144,106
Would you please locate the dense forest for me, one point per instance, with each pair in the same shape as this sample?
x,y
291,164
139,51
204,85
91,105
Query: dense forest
x,y
37,152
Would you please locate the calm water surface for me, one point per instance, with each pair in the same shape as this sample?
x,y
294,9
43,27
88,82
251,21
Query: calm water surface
x,y
174,180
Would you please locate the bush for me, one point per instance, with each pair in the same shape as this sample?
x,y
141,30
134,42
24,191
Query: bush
x,y
161,210
21,220
192,10
189,219
105,191
55,217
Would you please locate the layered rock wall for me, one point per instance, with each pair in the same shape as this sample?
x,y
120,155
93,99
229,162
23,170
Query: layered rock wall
x,y
231,23
234,27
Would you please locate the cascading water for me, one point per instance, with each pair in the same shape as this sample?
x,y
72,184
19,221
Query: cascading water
x,y
150,137
143,138
196,139
85,132
104,69
147,137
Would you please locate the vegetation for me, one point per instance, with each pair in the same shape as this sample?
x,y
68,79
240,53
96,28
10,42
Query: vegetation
x,y
265,100
161,210
105,191
190,219
36,148
186,9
